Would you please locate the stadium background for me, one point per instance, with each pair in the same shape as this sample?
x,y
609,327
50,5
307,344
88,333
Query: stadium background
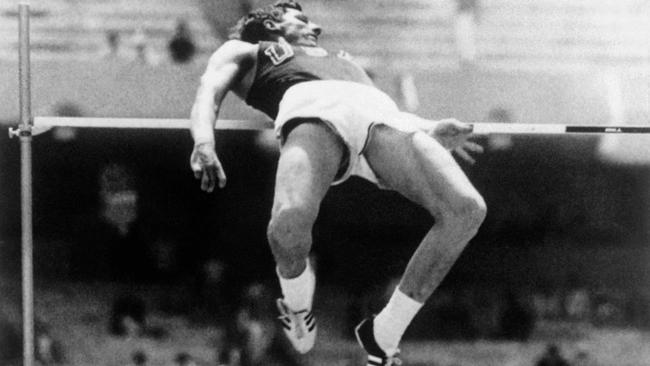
x,y
565,213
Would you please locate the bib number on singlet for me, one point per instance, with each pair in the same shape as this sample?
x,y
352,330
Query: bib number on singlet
x,y
279,52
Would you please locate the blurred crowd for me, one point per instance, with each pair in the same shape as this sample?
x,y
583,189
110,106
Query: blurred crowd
x,y
249,334
135,46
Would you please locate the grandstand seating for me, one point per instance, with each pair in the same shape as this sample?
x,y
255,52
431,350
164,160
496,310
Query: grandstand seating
x,y
405,34
77,29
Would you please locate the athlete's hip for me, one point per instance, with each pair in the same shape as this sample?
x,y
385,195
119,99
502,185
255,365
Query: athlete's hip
x,y
337,94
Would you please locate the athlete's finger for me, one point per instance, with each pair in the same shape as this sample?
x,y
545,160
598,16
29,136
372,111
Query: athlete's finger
x,y
205,181
474,147
195,166
221,175
212,177
465,156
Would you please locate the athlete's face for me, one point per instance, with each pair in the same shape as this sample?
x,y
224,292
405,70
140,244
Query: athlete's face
x,y
297,29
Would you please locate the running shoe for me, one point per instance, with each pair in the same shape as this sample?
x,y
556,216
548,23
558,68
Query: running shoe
x,y
299,326
376,356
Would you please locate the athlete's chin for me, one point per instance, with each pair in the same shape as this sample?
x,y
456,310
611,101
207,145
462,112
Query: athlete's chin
x,y
309,42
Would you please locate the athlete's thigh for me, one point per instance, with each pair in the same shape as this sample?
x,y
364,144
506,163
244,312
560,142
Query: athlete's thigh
x,y
310,158
417,166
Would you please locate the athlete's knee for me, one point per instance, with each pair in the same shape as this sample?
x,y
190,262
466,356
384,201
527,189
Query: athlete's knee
x,y
477,209
465,213
471,211
290,226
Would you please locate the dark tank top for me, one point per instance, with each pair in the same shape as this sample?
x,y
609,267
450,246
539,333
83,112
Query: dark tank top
x,y
280,66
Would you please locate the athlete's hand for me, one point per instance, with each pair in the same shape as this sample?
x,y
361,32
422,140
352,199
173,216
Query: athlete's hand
x,y
207,167
454,136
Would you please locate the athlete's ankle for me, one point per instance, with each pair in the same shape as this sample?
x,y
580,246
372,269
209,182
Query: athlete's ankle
x,y
298,291
391,323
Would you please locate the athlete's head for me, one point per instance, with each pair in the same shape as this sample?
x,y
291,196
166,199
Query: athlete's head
x,y
282,19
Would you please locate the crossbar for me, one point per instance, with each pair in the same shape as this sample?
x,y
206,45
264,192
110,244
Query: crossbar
x,y
486,128
146,123
479,128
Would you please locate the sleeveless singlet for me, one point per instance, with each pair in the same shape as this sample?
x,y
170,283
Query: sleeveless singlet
x,y
281,66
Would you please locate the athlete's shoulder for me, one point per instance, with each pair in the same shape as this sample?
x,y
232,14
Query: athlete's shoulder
x,y
237,45
234,50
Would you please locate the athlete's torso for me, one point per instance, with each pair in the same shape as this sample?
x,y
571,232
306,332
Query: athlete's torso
x,y
279,66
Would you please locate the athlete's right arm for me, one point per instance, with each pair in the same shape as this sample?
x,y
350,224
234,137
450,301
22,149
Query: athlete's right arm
x,y
224,70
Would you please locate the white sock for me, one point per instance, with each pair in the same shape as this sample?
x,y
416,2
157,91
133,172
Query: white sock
x,y
298,292
393,320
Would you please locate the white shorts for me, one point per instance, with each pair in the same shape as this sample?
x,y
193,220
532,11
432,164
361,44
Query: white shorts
x,y
350,109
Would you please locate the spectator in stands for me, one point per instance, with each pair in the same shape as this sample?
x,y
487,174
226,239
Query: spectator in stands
x,y
122,230
499,142
113,48
143,53
467,16
577,304
517,319
181,46
128,316
119,197
164,253
636,309
10,343
583,358
486,306
66,109
139,358
48,350
184,359
454,318
213,292
551,357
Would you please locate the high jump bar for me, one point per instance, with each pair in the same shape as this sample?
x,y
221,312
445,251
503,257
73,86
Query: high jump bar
x,y
479,128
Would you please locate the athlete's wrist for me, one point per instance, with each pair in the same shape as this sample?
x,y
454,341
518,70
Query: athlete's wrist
x,y
203,143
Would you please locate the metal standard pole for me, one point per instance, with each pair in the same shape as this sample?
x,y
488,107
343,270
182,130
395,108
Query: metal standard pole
x,y
26,184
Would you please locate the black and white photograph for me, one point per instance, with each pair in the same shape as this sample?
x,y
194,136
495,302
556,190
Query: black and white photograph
x,y
325,183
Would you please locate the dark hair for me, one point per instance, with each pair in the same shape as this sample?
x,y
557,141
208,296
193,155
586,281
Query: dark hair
x,y
250,28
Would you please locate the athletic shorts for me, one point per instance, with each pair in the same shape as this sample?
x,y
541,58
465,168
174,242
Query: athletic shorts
x,y
350,110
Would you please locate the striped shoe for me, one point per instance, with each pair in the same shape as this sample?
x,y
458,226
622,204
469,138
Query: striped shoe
x,y
299,326
376,356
